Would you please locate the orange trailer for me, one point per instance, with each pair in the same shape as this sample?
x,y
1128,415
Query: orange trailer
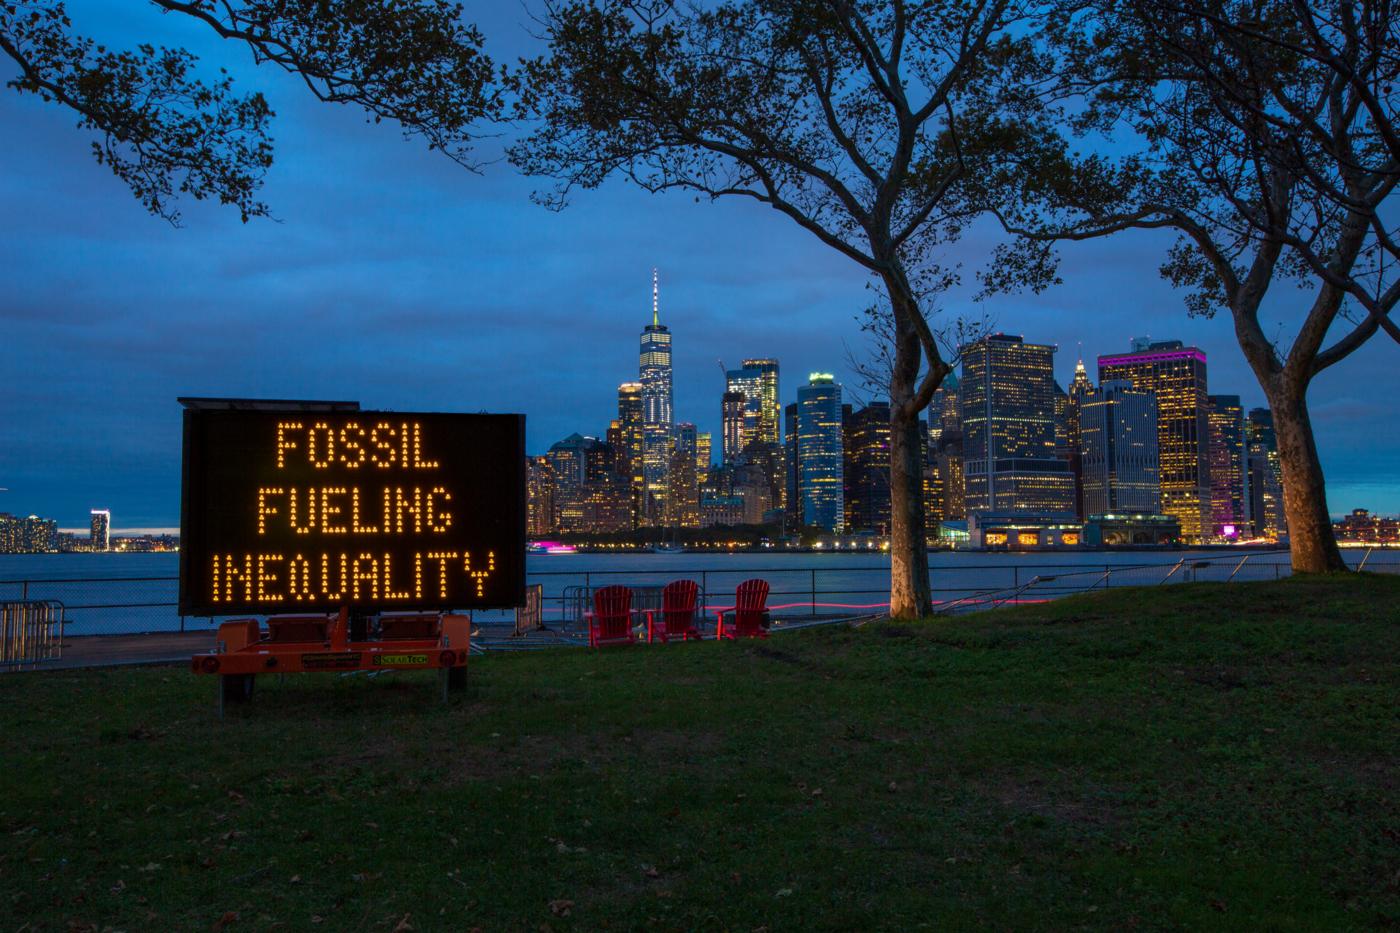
x,y
315,643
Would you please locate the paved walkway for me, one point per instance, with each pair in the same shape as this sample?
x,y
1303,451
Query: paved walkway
x,y
152,648
177,647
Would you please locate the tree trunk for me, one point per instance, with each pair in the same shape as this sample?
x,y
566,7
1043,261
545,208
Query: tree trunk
x,y
910,593
1312,543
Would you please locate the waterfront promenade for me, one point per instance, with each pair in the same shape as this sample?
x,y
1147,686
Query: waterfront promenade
x,y
120,609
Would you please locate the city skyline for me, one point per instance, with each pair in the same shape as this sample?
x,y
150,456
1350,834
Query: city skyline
x,y
394,278
661,405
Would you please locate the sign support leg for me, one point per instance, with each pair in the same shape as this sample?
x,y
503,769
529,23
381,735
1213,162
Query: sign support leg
x,y
340,632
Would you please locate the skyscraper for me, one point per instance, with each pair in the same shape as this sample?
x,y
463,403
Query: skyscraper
x,y
684,509
867,444
770,410
945,437
1079,389
819,453
101,531
1229,478
734,431
683,506
1265,476
1118,436
1177,376
541,519
758,381
631,422
702,454
32,535
792,464
1009,438
655,377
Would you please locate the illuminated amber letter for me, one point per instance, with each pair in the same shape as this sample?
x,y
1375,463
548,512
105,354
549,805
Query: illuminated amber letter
x,y
233,573
311,445
299,579
365,569
480,575
386,576
349,446
433,518
264,510
310,510
442,557
329,511
266,577
326,577
413,506
282,443
418,462
383,454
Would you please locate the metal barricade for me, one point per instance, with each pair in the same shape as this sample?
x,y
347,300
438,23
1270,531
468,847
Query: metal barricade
x,y
578,600
31,631
530,617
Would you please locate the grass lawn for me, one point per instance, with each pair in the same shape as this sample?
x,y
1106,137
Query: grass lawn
x,y
1197,756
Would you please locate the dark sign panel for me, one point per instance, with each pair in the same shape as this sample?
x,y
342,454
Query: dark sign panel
x,y
287,511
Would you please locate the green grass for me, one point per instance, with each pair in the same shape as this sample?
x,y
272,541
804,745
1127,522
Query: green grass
x,y
1198,756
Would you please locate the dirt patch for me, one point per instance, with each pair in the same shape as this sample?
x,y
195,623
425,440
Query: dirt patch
x,y
1086,806
770,653
1227,678
525,755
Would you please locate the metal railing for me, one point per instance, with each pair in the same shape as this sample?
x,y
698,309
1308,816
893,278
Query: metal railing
x,y
138,605
31,631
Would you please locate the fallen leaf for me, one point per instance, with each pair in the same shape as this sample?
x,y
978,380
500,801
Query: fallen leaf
x,y
784,892
150,866
229,917
236,797
650,871
403,926
561,907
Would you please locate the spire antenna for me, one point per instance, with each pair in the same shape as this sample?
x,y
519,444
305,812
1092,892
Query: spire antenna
x,y
655,300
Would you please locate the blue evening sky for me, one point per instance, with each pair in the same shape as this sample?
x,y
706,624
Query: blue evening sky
x,y
393,277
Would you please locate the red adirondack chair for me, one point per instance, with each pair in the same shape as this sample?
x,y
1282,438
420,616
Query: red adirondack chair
x,y
610,622
749,610
677,613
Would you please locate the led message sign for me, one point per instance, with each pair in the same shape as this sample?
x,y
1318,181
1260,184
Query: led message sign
x,y
287,511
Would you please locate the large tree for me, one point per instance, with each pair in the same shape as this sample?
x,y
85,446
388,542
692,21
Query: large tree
x,y
856,120
1263,132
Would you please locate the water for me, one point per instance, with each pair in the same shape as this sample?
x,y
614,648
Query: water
x,y
112,593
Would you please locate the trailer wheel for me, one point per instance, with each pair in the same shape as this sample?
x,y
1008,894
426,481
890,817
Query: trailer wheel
x,y
236,688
